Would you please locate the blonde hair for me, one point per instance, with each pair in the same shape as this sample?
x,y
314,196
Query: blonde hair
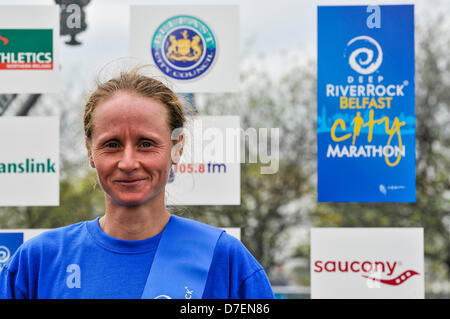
x,y
135,82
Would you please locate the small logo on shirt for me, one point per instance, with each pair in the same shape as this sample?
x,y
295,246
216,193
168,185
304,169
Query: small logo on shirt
x,y
163,297
187,295
74,278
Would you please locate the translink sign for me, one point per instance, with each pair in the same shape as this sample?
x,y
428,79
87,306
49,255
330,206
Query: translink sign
x,y
26,49
29,161
28,166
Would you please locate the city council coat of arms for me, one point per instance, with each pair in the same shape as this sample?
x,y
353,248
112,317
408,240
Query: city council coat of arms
x,y
184,47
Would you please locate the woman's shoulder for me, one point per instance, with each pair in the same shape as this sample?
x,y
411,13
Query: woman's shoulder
x,y
231,250
228,249
52,239
231,243
234,264
47,245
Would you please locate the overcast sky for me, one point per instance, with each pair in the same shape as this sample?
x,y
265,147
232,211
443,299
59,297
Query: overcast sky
x,y
268,27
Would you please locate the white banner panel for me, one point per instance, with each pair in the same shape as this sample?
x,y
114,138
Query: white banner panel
x,y
28,233
11,239
29,49
29,161
209,172
364,263
196,48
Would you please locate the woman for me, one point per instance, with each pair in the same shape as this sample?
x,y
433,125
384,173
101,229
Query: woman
x,y
137,249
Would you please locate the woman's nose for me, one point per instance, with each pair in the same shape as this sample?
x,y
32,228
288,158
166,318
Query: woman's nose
x,y
128,162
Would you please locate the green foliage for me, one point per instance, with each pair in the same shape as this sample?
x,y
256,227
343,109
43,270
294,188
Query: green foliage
x,y
264,216
80,199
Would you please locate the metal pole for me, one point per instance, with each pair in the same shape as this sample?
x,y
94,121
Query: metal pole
x,y
190,99
29,103
5,102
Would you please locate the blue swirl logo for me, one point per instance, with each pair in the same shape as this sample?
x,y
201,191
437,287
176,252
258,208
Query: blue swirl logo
x,y
366,54
4,254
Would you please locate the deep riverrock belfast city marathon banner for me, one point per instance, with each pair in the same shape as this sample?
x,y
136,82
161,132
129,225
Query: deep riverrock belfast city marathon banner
x,y
365,104
196,48
29,161
367,263
29,49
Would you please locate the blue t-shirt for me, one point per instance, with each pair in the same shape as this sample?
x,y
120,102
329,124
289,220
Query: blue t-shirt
x,y
81,261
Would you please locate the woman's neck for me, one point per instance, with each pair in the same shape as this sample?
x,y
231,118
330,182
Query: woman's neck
x,y
134,223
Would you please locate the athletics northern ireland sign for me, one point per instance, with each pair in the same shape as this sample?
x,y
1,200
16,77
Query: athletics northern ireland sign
x,y
359,263
365,104
28,49
195,48
29,161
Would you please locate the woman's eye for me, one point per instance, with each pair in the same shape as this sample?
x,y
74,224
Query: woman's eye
x,y
112,145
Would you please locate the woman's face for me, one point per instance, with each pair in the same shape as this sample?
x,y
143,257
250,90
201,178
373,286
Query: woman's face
x,y
130,148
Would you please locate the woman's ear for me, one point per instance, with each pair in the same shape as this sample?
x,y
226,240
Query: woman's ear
x,y
91,159
177,149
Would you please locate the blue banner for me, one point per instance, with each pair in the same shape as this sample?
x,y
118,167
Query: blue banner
x,y
9,242
365,104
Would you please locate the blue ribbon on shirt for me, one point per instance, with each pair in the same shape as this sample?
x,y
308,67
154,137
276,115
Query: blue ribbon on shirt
x,y
182,260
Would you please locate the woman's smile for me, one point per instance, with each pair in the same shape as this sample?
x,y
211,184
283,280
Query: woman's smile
x,y
131,183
